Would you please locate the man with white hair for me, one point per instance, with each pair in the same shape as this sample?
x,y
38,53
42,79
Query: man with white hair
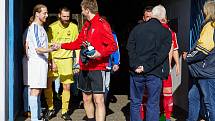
x,y
148,47
167,99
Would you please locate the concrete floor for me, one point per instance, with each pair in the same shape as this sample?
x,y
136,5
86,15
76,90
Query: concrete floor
x,y
118,111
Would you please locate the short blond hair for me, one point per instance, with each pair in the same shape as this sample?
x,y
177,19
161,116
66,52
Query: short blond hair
x,y
159,12
209,10
91,5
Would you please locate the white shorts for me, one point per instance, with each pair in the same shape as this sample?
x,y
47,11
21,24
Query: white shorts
x,y
38,71
25,70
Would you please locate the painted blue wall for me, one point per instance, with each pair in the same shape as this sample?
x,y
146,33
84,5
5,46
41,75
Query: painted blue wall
x,y
11,59
15,58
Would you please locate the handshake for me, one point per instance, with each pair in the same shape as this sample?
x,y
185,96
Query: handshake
x,y
55,46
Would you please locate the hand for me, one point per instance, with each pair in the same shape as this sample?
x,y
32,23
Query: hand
x,y
95,55
184,55
76,71
53,67
140,69
76,68
115,68
55,46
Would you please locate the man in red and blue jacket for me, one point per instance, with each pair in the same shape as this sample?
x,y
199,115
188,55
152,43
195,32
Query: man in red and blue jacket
x,y
95,35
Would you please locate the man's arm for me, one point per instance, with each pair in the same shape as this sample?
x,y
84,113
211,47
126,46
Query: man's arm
x,y
204,45
116,54
170,56
50,37
131,47
49,34
176,59
174,53
39,48
74,45
44,50
77,52
108,40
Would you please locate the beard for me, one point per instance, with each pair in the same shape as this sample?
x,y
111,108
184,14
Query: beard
x,y
65,21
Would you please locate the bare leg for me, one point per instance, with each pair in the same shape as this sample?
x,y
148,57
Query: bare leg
x,y
100,107
88,104
34,104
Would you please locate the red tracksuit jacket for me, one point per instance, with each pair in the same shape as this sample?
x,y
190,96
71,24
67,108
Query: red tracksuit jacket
x,y
98,32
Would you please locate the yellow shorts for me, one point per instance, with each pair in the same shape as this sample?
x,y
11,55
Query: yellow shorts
x,y
64,71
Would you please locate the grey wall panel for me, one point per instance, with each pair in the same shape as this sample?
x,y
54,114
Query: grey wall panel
x,y
180,10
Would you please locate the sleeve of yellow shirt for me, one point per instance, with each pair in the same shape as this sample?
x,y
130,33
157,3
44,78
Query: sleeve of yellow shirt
x,y
77,52
50,37
206,43
49,33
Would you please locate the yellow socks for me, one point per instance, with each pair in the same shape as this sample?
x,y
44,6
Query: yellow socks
x,y
65,101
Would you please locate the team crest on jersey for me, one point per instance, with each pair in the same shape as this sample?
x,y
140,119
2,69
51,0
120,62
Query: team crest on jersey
x,y
68,33
92,30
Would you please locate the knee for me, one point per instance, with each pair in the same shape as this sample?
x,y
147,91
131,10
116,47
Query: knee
x,y
35,92
136,101
87,99
99,100
66,87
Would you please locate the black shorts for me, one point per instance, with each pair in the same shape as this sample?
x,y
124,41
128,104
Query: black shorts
x,y
91,81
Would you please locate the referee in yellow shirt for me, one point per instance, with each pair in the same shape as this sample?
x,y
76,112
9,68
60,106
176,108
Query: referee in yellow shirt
x,y
61,31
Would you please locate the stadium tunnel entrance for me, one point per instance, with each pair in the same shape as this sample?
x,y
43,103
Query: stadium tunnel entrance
x,y
123,14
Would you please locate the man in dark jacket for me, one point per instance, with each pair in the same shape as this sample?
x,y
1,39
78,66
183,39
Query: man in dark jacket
x,y
148,48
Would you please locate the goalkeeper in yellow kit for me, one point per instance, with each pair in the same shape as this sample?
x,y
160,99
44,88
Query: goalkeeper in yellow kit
x,y
61,62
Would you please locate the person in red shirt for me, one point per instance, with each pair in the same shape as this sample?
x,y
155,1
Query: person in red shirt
x,y
97,44
167,84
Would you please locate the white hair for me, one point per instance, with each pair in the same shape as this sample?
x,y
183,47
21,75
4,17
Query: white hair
x,y
159,12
